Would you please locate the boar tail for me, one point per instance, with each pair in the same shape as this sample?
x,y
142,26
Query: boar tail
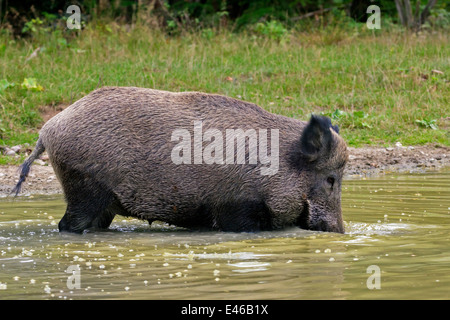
x,y
25,167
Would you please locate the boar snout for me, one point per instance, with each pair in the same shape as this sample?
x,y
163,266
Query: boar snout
x,y
327,225
317,219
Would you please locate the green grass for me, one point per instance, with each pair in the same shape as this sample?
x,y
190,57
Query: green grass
x,y
381,82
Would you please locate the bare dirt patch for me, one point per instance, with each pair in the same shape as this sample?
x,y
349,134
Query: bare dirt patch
x,y
49,111
379,160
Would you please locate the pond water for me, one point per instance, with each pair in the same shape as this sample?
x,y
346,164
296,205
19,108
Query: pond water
x,y
396,246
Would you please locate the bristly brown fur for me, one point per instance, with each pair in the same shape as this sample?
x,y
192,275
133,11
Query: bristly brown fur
x,y
111,151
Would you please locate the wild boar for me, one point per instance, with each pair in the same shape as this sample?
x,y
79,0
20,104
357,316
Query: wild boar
x,y
193,160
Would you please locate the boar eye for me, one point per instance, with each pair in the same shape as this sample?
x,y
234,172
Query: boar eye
x,y
330,180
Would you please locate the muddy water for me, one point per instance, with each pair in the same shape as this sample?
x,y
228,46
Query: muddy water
x,y
396,247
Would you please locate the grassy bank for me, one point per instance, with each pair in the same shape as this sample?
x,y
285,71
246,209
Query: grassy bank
x,y
380,88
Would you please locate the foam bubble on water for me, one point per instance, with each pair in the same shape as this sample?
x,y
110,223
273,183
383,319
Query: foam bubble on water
x,y
227,256
250,266
376,228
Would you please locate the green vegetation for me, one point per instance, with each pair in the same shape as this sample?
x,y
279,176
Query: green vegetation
x,y
379,86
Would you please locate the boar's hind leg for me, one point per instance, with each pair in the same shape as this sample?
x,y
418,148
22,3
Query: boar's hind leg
x,y
88,205
103,220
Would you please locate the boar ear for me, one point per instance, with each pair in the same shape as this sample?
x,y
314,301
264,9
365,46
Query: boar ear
x,y
316,138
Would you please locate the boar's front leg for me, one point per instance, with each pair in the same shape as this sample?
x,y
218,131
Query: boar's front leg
x,y
247,216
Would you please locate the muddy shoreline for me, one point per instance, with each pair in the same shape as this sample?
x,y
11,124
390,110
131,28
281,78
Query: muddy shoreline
x,y
363,162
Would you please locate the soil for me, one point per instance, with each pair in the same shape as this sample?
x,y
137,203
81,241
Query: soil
x,y
367,161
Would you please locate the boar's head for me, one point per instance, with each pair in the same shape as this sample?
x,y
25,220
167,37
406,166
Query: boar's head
x,y
320,155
